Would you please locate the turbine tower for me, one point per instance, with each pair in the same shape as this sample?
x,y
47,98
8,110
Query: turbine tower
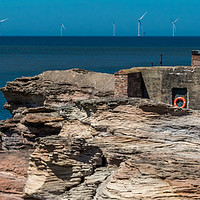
x,y
114,29
3,20
61,29
140,24
174,26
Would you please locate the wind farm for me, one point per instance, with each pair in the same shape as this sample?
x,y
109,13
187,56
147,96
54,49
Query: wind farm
x,y
140,25
139,31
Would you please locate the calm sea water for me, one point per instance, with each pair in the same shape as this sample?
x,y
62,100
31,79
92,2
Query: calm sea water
x,y
28,56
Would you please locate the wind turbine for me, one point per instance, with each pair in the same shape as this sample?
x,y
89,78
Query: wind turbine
x,y
3,20
61,29
140,24
174,26
114,29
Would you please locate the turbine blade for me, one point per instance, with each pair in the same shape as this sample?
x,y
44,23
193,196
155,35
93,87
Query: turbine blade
x,y
63,26
176,20
3,20
143,16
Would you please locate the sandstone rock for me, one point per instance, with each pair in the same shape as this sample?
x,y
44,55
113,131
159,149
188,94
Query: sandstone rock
x,y
13,174
63,164
100,148
87,189
21,131
140,149
153,177
56,88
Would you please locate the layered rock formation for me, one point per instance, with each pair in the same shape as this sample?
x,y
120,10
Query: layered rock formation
x,y
56,88
45,92
13,173
41,94
103,148
118,149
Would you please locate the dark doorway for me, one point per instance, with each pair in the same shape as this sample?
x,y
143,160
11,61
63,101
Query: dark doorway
x,y
179,92
144,90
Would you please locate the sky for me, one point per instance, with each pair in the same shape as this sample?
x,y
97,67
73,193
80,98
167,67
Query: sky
x,y
95,17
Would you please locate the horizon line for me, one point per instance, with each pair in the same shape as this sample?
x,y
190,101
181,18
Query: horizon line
x,y
97,36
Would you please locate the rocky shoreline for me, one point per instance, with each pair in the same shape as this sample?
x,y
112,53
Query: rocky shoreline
x,y
99,147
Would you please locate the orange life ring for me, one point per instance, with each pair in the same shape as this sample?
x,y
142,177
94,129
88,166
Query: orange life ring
x,y
182,99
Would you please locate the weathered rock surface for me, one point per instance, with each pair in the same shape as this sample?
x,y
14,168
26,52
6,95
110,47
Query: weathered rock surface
x,y
118,149
56,88
49,89
13,174
96,149
21,131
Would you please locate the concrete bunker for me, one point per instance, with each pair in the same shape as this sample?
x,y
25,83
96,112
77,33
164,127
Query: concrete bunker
x,y
162,83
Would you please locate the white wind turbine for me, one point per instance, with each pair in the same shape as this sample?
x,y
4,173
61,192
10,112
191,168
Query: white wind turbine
x,y
3,20
174,26
114,29
61,29
140,24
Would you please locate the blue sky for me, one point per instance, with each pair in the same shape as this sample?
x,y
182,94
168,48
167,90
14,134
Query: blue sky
x,y
95,17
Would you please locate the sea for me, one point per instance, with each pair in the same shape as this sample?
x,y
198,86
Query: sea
x,y
29,56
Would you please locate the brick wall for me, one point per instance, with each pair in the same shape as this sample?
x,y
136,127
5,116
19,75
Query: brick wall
x,y
195,58
121,84
128,84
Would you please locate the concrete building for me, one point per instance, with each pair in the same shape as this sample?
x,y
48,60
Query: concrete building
x,y
164,84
